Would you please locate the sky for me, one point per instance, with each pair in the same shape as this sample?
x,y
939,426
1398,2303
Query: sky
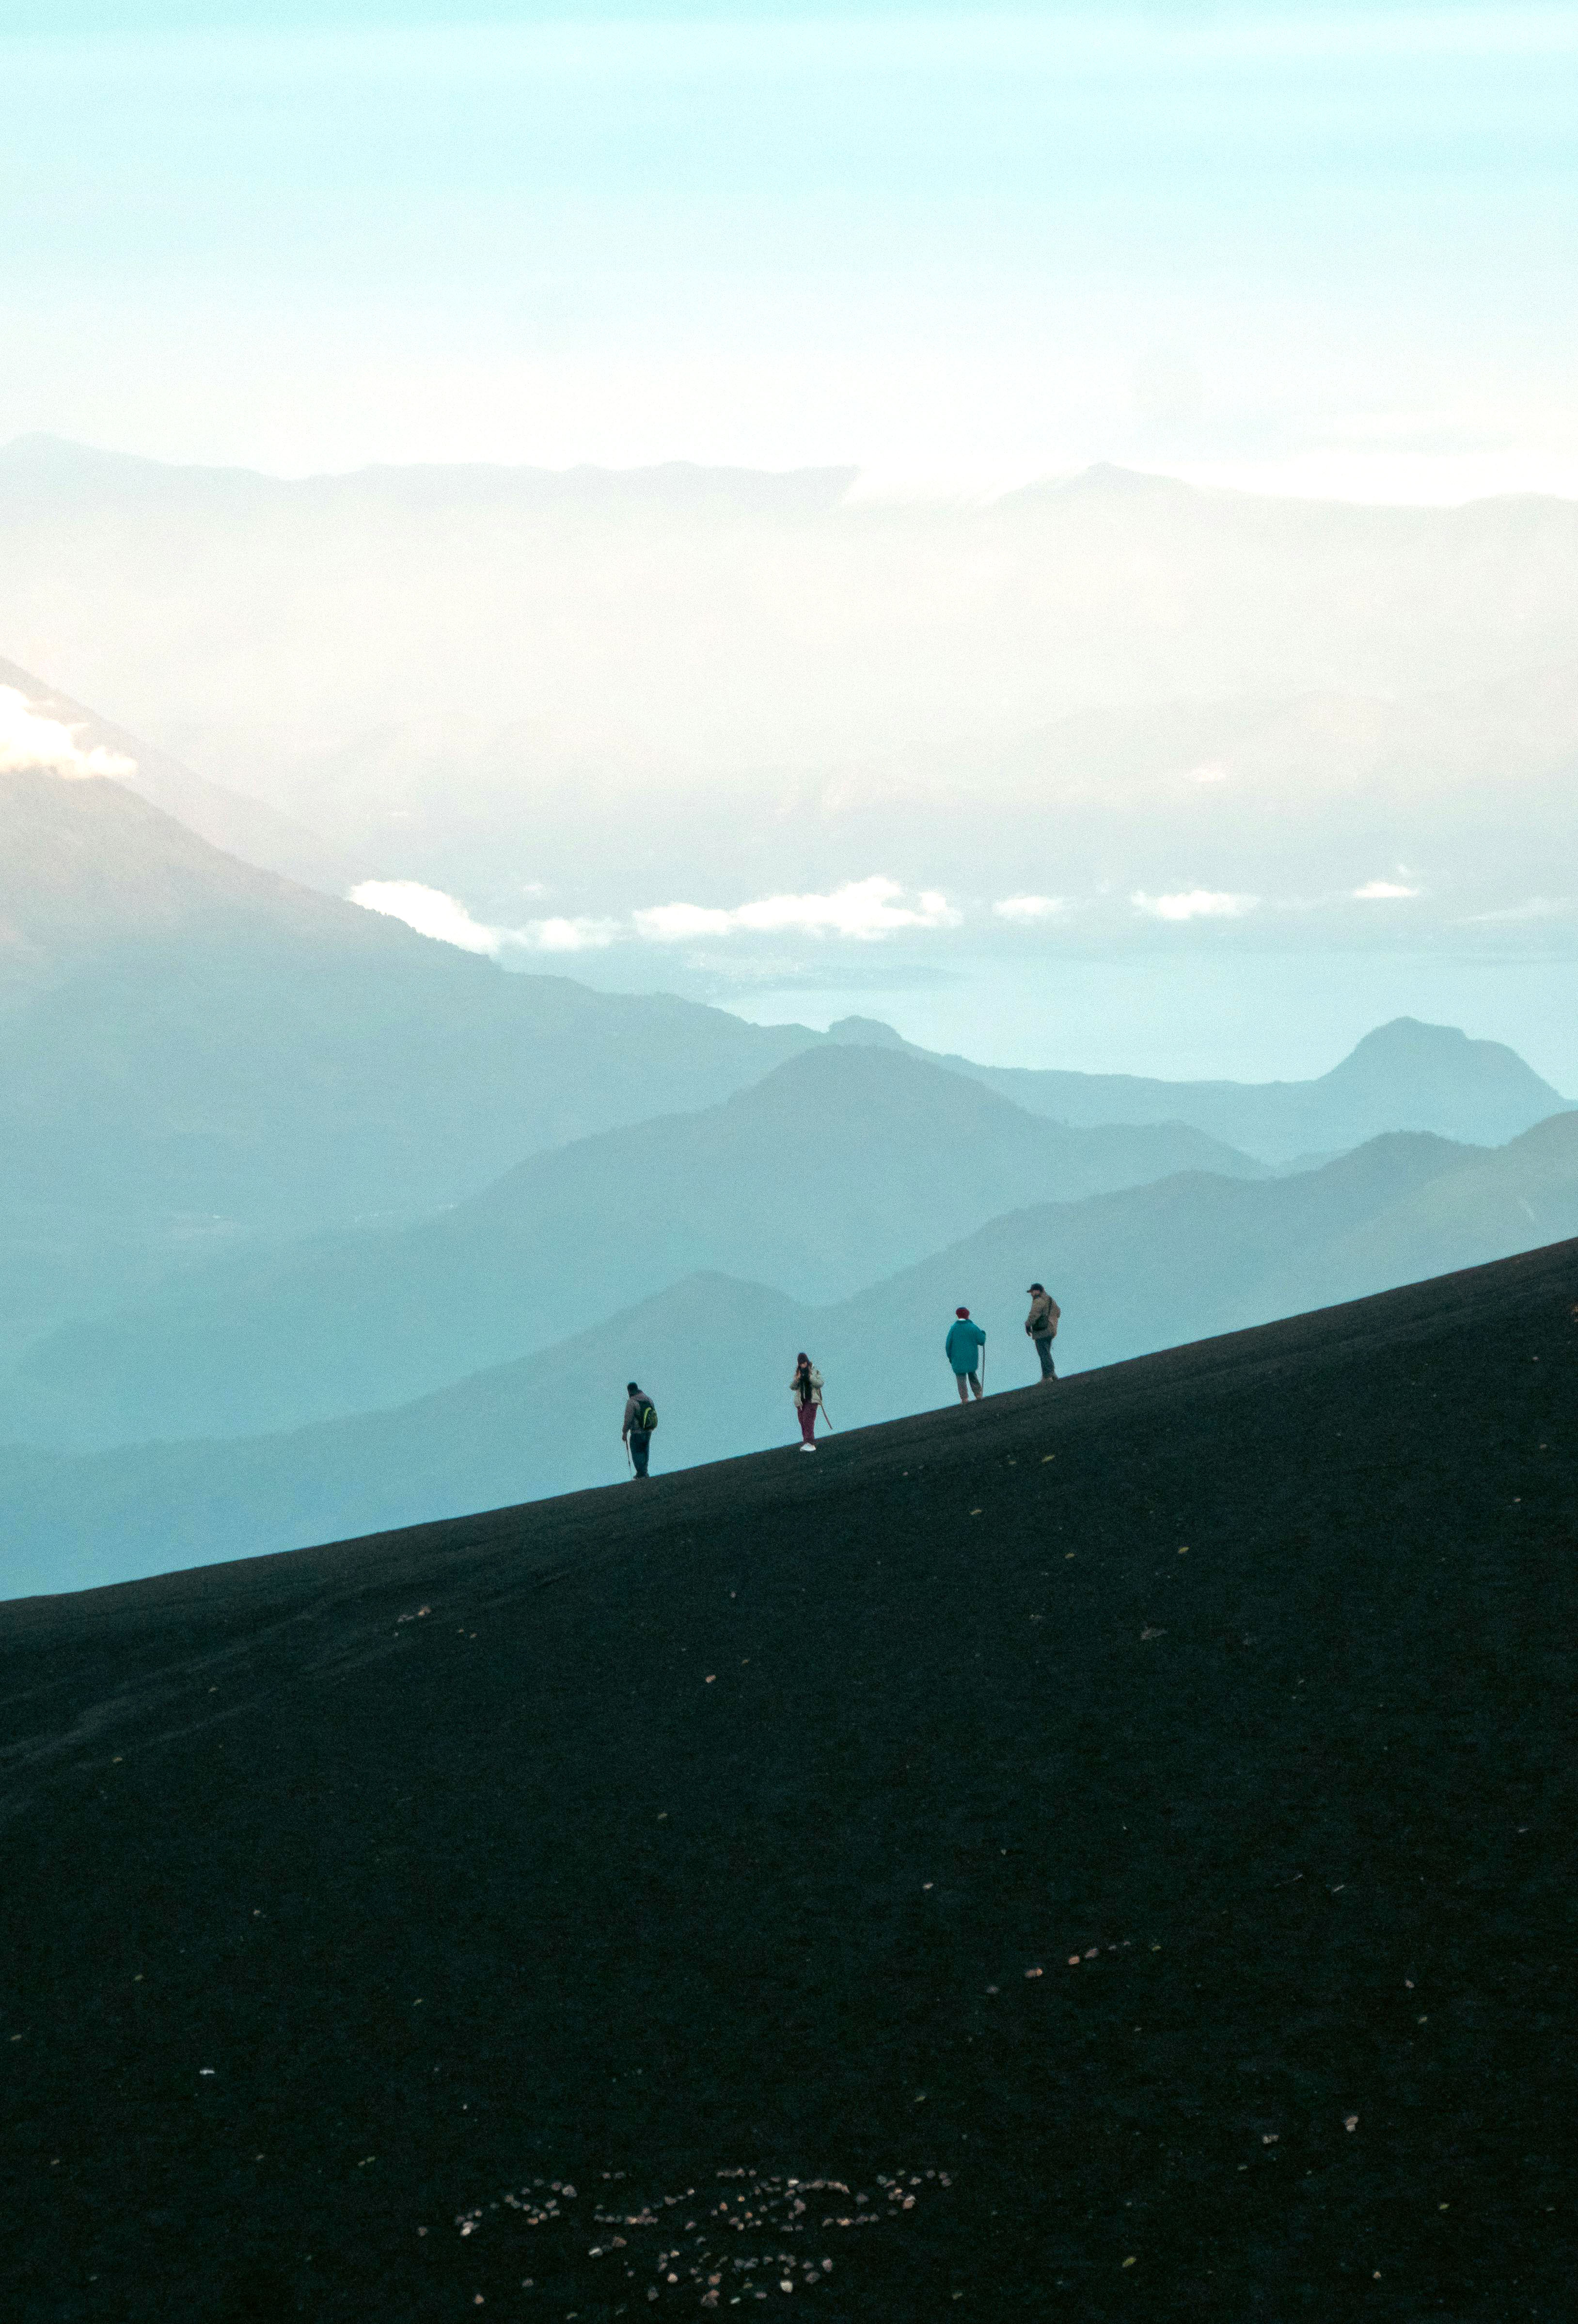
x,y
1319,251
1297,248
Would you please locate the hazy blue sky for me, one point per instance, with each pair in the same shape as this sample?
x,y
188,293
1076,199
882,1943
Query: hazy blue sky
x,y
1325,248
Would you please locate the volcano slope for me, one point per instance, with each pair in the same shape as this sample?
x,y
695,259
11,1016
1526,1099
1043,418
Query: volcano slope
x,y
1104,1852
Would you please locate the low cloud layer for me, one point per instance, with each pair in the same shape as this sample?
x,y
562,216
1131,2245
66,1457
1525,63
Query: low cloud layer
x,y
32,741
864,909
1195,904
433,913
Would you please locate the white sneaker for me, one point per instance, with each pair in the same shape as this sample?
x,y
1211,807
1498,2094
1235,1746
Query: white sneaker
x,y
807,1448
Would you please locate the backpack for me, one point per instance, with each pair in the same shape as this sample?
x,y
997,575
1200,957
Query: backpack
x,y
646,1418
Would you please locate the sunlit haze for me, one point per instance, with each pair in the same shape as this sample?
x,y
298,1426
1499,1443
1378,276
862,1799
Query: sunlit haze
x,y
1124,774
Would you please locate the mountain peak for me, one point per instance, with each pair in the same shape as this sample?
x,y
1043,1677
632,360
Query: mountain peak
x,y
865,1033
1426,1057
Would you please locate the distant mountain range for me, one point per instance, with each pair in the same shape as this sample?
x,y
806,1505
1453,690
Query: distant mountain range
x,y
469,666
195,1052
1405,1075
192,1048
370,1224
1136,1270
839,1168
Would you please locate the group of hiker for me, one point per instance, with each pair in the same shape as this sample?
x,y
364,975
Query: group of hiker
x,y
965,1347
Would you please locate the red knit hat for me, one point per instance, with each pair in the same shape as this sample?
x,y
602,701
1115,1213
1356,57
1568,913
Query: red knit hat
x,y
965,1312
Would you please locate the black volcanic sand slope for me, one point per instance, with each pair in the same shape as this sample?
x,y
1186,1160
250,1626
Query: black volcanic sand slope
x,y
1103,1853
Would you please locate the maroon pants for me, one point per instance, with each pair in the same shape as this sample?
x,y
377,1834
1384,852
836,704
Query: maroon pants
x,y
808,1419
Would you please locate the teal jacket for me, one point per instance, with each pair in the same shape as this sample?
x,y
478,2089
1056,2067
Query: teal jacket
x,y
960,1344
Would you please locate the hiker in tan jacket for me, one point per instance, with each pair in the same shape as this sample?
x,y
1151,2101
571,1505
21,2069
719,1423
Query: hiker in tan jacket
x,y
1041,1326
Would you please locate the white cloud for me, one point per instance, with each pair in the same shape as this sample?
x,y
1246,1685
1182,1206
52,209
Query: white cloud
x,y
1031,908
1212,773
432,913
865,909
563,935
30,739
429,910
1193,904
1382,892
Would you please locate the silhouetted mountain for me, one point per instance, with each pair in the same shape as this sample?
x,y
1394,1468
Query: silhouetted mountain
x,y
1403,1075
1149,1268
838,1168
181,1034
1113,1844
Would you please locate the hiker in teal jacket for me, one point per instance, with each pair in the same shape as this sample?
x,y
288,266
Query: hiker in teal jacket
x,y
959,1346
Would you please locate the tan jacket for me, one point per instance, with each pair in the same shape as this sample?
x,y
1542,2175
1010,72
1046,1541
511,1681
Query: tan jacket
x,y
816,1394
1042,1322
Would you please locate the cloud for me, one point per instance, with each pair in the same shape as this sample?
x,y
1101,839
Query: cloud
x,y
865,909
1215,772
432,913
1031,908
1382,892
583,935
429,910
1193,904
30,739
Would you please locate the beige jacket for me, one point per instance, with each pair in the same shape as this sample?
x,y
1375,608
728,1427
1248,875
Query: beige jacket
x,y
1042,1322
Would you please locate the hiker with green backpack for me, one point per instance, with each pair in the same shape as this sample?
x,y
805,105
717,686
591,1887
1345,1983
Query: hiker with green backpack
x,y
640,1418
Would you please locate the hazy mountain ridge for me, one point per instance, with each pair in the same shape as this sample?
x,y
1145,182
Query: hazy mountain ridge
x,y
238,825
836,1170
1149,1268
458,668
1405,1075
182,1033
192,1049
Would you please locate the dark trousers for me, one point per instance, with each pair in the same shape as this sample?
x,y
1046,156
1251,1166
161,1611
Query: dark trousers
x,y
641,1446
1044,1349
967,1380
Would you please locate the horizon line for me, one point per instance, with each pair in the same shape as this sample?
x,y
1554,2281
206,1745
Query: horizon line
x,y
865,484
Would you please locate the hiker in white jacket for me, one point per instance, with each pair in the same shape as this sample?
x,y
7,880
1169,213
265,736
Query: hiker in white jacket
x,y
805,1387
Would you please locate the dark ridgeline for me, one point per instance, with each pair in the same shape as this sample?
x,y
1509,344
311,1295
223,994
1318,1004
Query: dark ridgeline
x,y
1137,1825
